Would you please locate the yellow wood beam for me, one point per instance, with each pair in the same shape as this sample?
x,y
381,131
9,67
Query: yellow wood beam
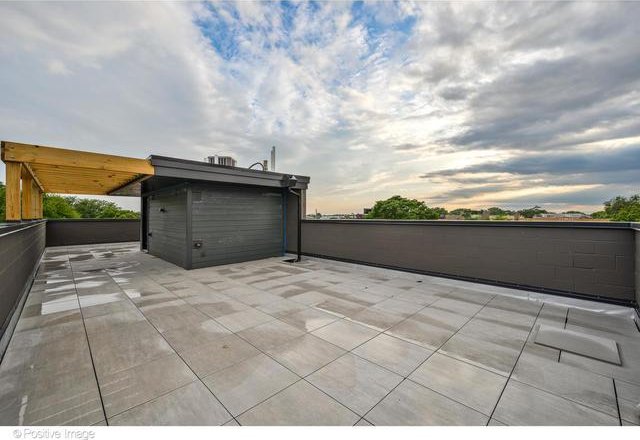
x,y
27,167
35,154
39,208
12,203
27,195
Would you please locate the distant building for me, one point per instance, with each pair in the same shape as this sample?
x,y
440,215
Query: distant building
x,y
562,216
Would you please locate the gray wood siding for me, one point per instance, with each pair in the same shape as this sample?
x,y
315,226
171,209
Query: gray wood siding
x,y
235,224
169,228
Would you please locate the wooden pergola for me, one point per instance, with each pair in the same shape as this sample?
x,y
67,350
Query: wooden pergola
x,y
32,170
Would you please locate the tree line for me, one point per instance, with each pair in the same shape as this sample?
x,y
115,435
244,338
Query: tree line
x,y
54,206
625,209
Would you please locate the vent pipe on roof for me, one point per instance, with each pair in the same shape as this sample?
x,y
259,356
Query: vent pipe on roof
x,y
273,158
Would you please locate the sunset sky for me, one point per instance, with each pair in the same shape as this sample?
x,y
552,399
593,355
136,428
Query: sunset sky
x,y
457,104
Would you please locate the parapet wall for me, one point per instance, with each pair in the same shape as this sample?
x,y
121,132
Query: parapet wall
x,y
592,260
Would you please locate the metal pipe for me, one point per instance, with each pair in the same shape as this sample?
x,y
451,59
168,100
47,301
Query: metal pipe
x,y
258,163
299,243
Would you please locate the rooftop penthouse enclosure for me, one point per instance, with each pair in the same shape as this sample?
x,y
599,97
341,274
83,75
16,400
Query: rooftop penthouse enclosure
x,y
200,224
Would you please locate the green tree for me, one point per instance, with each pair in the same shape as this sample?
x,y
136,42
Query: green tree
x,y
531,212
57,207
622,209
466,213
94,208
497,211
398,207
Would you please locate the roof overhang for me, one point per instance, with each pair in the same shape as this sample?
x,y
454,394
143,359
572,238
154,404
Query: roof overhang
x,y
193,170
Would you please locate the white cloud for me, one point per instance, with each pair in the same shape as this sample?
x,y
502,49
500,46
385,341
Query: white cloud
x,y
365,99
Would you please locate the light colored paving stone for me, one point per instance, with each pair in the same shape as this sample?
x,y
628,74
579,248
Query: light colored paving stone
x,y
249,382
258,298
522,404
415,405
355,382
192,336
309,319
376,319
145,382
399,307
495,333
394,354
340,307
222,353
222,308
457,306
581,386
629,399
493,357
282,308
47,397
306,354
301,404
465,383
191,405
244,319
310,298
175,317
417,332
66,352
270,335
128,388
126,347
345,334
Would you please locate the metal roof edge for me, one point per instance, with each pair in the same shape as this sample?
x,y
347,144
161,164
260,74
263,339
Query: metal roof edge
x,y
190,169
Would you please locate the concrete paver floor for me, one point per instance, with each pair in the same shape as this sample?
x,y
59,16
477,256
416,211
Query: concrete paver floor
x,y
112,335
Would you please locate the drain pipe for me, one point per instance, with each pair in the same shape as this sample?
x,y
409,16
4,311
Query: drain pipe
x,y
291,182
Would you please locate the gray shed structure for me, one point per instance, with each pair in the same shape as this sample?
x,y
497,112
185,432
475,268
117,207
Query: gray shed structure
x,y
196,214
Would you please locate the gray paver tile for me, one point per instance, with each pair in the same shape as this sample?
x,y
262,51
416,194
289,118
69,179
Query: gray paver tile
x,y
128,388
345,334
413,404
300,404
465,383
522,404
306,354
394,354
355,382
191,405
249,382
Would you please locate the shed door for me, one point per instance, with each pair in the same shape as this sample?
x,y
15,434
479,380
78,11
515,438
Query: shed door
x,y
233,224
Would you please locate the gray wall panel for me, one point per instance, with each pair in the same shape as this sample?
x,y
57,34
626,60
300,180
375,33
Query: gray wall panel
x,y
67,232
235,223
637,263
594,262
20,252
168,225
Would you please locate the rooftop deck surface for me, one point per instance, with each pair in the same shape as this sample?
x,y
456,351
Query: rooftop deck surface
x,y
110,335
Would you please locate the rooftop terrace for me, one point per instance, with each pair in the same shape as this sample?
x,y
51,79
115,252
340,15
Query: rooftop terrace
x,y
112,335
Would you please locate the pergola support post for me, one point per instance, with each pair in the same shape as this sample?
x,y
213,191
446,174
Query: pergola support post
x,y
13,174
28,205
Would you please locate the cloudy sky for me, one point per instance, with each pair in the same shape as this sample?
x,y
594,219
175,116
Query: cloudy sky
x,y
457,104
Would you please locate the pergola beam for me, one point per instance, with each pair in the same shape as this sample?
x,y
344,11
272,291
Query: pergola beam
x,y
35,154
34,169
